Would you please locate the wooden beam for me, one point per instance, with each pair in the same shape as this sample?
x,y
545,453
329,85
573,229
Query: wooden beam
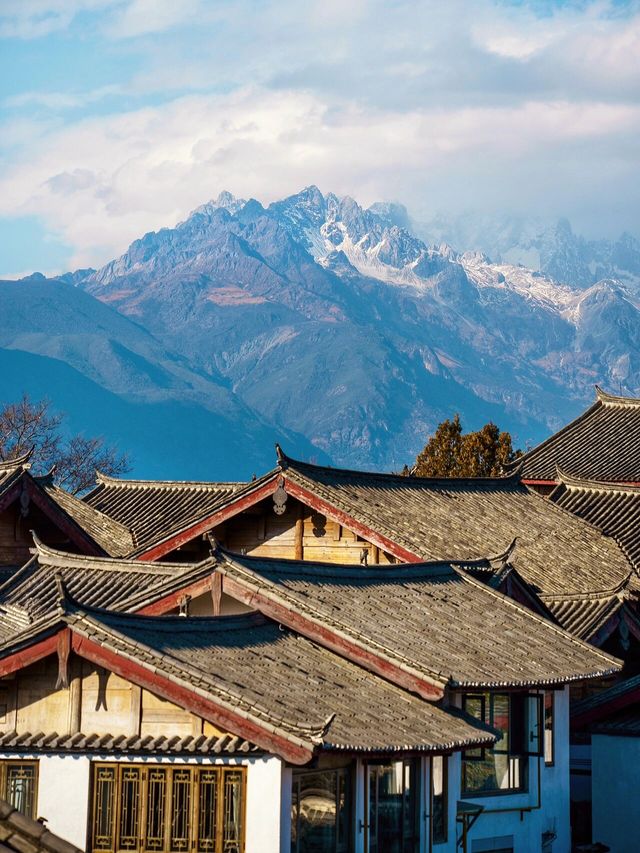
x,y
299,535
29,655
223,718
172,600
211,521
323,506
343,646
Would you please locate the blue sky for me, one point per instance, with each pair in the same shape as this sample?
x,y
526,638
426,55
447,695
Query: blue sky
x,y
120,116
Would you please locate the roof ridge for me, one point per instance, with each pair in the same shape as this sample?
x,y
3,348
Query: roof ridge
x,y
571,481
18,461
48,556
616,399
288,461
117,482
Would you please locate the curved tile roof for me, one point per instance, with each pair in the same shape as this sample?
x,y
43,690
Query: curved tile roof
x,y
153,509
431,617
466,518
601,444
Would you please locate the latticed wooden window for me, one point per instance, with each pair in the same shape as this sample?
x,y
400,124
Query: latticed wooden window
x,y
167,809
18,785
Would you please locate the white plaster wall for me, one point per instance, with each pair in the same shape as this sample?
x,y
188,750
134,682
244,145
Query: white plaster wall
x,y
552,815
264,807
615,776
63,796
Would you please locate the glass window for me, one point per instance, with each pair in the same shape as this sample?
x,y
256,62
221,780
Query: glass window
x,y
549,697
320,811
18,785
439,782
392,814
500,768
167,809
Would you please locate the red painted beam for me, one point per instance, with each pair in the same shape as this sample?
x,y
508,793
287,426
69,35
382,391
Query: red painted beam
x,y
170,602
31,654
190,701
206,524
346,520
343,646
10,496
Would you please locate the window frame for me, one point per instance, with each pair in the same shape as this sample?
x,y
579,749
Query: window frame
x,y
414,764
192,844
5,764
550,762
444,837
516,731
347,775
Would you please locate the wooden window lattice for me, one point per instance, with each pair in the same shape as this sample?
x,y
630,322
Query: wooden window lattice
x,y
164,809
18,785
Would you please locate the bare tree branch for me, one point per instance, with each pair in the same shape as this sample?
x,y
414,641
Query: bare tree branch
x,y
26,424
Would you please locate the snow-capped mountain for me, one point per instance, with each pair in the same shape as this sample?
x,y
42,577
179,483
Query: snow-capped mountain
x,y
340,323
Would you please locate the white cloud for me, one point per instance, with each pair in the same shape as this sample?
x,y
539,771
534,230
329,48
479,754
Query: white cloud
x,y
103,182
27,19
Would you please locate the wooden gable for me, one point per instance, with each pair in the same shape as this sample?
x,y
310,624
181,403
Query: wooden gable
x,y
96,701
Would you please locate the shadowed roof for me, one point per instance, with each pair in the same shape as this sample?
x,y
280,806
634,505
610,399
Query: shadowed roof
x,y
430,617
613,508
601,444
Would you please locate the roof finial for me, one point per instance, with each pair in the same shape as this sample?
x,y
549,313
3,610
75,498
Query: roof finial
x,y
282,458
214,545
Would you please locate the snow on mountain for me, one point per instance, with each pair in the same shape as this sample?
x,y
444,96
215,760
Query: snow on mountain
x,y
340,323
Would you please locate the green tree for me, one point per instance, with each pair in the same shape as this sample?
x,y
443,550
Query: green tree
x,y
452,453
32,426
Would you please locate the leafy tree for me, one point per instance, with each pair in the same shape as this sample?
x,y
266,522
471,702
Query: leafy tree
x,y
27,424
452,453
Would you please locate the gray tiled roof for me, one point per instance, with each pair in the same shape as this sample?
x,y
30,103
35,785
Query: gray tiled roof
x,y
126,744
152,509
601,444
431,618
30,594
603,698
274,678
614,508
23,835
111,537
444,519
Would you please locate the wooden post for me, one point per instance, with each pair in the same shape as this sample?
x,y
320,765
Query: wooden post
x,y
375,554
299,534
216,593
135,718
74,720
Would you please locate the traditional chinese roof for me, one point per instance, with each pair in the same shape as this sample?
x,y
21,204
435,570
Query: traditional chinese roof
x,y
23,835
114,538
30,594
601,444
90,526
108,744
464,518
280,685
432,619
153,510
613,508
